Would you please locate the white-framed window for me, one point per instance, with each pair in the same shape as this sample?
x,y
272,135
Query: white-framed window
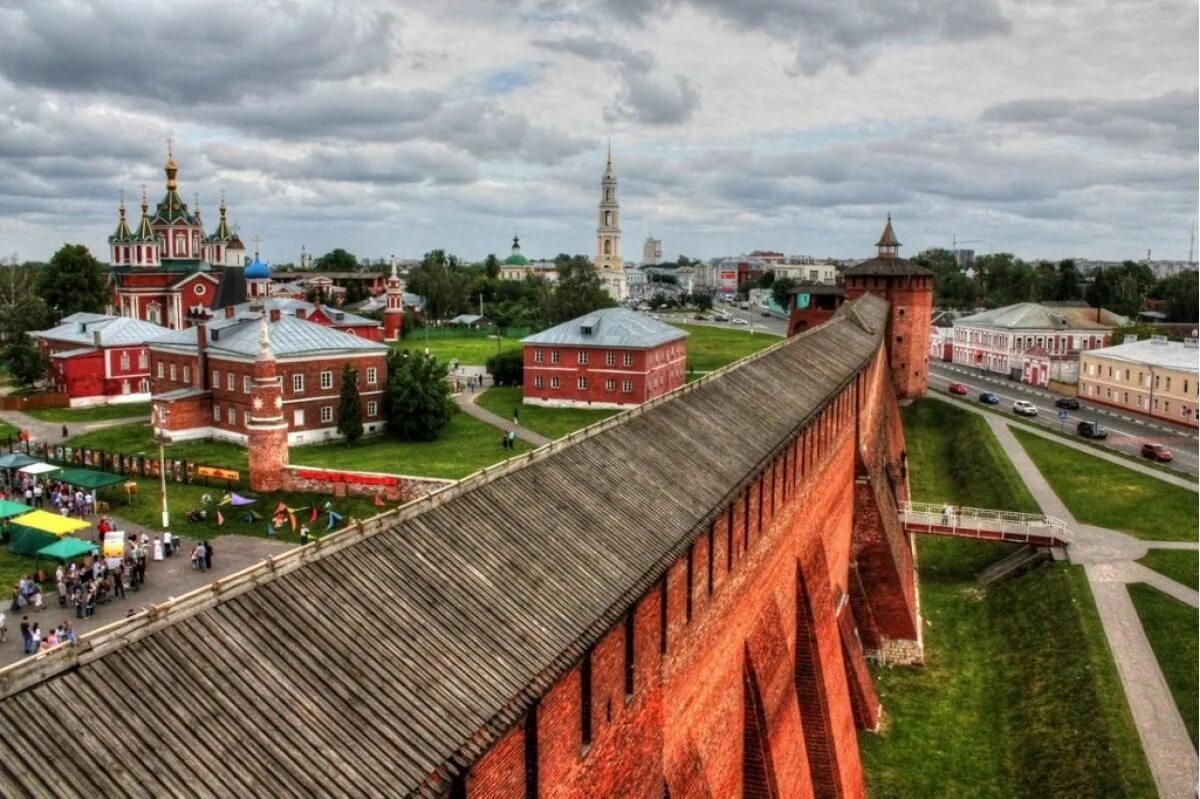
x,y
216,378
187,375
610,358
372,408
231,416
610,385
298,417
581,383
246,383
124,361
583,357
627,386
144,385
539,356
539,382
628,359
554,383
143,360
217,412
372,375
231,382
554,354
297,384
326,413
174,375
326,380
159,370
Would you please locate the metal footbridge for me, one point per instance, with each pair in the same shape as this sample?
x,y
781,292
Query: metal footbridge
x,y
994,525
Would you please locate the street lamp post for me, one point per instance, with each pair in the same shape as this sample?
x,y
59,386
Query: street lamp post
x,y
160,435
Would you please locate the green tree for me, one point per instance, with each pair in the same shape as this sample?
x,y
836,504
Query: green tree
x,y
21,309
418,399
491,265
443,284
507,368
767,280
577,291
25,361
781,292
1070,284
702,300
355,292
337,260
73,281
350,406
1182,295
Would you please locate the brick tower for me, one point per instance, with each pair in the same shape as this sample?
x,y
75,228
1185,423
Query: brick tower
x,y
266,429
393,312
908,288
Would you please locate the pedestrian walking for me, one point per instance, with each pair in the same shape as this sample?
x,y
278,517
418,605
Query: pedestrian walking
x,y
517,417
64,431
208,548
25,634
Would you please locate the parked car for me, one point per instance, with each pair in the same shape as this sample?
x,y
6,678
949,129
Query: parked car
x,y
700,317
721,317
1091,430
959,389
1070,403
1156,452
740,321
766,313
988,398
1024,408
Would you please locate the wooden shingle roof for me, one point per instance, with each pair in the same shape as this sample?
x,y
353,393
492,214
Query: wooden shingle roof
x,y
383,659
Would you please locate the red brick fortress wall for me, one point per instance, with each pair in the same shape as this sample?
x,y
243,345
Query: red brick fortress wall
x,y
743,672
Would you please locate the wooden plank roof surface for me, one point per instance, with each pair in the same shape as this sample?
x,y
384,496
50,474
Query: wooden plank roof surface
x,y
372,661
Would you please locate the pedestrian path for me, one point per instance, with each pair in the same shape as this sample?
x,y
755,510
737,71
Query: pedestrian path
x,y
52,431
1108,559
466,402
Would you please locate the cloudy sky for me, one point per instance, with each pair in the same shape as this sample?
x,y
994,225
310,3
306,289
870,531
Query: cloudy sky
x,y
1042,128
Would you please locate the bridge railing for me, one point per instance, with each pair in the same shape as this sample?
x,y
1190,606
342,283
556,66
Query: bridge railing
x,y
983,522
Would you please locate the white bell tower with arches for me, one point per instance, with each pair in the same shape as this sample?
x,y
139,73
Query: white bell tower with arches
x,y
608,234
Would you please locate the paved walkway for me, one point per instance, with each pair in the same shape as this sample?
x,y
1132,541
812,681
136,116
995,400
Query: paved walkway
x,y
1108,558
52,431
165,579
466,401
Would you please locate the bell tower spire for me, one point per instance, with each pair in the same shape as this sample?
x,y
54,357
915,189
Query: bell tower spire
x,y
608,233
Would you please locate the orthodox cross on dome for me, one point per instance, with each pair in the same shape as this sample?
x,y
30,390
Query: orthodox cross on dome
x,y
170,141
257,241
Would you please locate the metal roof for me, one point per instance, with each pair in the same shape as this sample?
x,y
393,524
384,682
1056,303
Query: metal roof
x,y
289,337
609,327
115,331
1034,316
452,613
1164,354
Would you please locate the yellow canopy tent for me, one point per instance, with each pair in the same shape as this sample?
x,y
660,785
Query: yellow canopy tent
x,y
51,523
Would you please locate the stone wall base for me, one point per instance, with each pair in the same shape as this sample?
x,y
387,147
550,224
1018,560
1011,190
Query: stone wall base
x,y
898,653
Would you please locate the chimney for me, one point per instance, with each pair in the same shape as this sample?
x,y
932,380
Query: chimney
x,y
201,337
274,315
301,313
96,337
229,311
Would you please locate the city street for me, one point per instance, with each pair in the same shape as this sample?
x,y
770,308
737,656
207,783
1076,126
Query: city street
x,y
755,321
1125,434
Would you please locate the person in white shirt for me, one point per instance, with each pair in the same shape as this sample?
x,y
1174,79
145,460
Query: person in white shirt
x,y
167,538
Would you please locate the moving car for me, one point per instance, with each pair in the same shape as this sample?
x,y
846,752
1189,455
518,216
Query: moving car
x,y
1070,403
700,317
740,321
988,398
1024,408
1091,430
1156,452
959,389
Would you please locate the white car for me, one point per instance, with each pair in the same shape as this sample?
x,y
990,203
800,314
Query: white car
x,y
1024,408
740,321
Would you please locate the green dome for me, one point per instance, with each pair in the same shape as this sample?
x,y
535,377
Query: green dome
x,y
516,259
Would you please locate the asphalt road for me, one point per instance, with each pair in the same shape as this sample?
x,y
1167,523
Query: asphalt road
x,y
1125,433
755,321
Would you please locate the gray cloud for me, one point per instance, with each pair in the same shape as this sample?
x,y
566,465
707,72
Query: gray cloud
x,y
598,49
189,53
1169,118
644,99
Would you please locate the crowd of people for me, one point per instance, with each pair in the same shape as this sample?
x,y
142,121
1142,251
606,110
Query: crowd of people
x,y
48,495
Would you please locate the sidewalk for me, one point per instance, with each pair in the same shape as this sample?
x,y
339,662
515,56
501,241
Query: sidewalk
x,y
52,431
1109,559
466,402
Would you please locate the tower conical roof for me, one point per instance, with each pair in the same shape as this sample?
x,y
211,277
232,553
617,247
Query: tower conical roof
x,y
122,233
888,238
145,231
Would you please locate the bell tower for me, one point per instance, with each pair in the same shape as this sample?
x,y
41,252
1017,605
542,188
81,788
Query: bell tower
x,y
608,233
393,312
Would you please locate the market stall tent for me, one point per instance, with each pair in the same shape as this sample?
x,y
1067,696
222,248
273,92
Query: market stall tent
x,y
10,509
88,478
15,460
37,529
38,468
66,549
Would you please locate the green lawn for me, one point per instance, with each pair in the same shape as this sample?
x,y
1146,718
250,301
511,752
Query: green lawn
x,y
130,439
954,458
550,422
1171,627
465,446
469,350
7,430
99,413
1108,495
710,348
1180,565
1007,703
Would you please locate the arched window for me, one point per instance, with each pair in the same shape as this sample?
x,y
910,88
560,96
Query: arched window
x,y
608,246
608,218
608,195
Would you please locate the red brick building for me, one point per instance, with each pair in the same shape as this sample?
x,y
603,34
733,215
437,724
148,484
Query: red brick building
x,y
813,304
97,359
610,358
908,288
203,378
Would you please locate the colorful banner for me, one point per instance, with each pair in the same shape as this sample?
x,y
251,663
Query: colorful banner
x,y
219,474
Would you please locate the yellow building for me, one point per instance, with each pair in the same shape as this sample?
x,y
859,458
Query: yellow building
x,y
1155,377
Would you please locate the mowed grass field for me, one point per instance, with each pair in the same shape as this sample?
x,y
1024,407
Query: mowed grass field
x,y
130,439
1007,703
550,422
1108,495
469,350
1181,565
99,413
1171,627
